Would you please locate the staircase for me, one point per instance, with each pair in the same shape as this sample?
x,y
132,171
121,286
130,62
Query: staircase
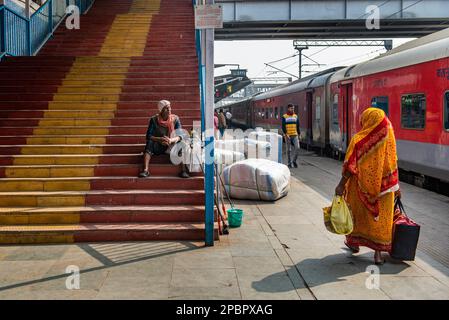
x,y
72,129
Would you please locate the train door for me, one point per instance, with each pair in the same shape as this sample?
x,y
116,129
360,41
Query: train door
x,y
309,108
346,93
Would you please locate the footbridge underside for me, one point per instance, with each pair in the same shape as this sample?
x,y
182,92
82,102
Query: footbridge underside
x,y
296,19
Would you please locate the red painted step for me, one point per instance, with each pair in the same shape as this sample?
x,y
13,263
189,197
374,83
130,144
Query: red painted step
x,y
140,130
71,105
113,182
122,121
8,160
100,170
112,197
71,149
145,113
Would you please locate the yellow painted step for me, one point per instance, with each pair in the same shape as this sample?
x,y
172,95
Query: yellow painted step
x,y
55,160
25,218
60,105
86,97
58,149
79,114
111,83
104,76
140,5
126,27
74,123
48,171
57,184
89,90
25,237
71,131
65,140
42,199
87,59
87,70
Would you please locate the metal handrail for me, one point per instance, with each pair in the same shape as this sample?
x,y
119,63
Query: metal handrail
x,y
26,36
13,11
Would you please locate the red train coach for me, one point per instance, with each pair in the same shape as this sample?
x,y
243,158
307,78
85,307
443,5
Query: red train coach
x,y
411,84
310,96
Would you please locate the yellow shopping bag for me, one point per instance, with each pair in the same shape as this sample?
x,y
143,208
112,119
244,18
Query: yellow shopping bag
x,y
338,218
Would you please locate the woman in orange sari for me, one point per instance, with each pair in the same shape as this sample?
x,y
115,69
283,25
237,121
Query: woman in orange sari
x,y
369,182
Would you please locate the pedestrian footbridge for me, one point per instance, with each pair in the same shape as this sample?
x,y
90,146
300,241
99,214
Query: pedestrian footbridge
x,y
295,19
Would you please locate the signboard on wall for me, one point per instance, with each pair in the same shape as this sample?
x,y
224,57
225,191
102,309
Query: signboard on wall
x,y
208,16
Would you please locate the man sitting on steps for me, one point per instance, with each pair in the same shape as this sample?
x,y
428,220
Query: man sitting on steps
x,y
164,132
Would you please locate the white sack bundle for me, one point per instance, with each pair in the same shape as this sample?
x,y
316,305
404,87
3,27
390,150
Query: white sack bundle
x,y
257,179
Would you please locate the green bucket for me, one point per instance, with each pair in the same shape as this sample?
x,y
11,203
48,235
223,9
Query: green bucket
x,y
235,217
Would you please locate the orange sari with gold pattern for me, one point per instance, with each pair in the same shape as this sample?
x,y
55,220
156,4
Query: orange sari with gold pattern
x,y
371,159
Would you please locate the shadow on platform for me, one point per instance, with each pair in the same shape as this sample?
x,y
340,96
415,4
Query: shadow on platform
x,y
330,269
117,254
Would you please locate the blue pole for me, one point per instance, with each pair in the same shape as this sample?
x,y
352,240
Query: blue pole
x,y
209,191
50,17
208,52
28,29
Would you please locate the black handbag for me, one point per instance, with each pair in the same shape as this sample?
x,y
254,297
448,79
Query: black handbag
x,y
405,234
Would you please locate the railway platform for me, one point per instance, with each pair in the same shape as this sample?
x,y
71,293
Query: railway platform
x,y
281,251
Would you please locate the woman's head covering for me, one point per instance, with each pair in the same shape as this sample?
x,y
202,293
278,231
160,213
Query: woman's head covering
x,y
162,104
371,117
372,159
170,122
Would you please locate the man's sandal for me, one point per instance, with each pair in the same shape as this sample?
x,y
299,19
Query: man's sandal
x,y
184,175
144,174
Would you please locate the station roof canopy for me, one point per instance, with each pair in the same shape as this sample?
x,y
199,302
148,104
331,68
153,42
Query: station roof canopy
x,y
331,19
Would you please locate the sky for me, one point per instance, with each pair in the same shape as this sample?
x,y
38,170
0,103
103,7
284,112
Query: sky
x,y
253,54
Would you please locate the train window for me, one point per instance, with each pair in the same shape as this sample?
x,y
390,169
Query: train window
x,y
335,110
266,113
381,103
263,113
446,111
318,108
413,111
276,113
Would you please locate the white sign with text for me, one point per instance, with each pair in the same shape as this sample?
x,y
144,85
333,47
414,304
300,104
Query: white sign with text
x,y
208,16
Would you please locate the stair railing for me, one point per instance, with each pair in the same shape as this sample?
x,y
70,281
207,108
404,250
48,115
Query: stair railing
x,y
25,34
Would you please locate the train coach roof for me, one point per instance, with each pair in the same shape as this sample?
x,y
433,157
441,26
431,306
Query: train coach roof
x,y
312,81
342,74
428,48
237,103
443,34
